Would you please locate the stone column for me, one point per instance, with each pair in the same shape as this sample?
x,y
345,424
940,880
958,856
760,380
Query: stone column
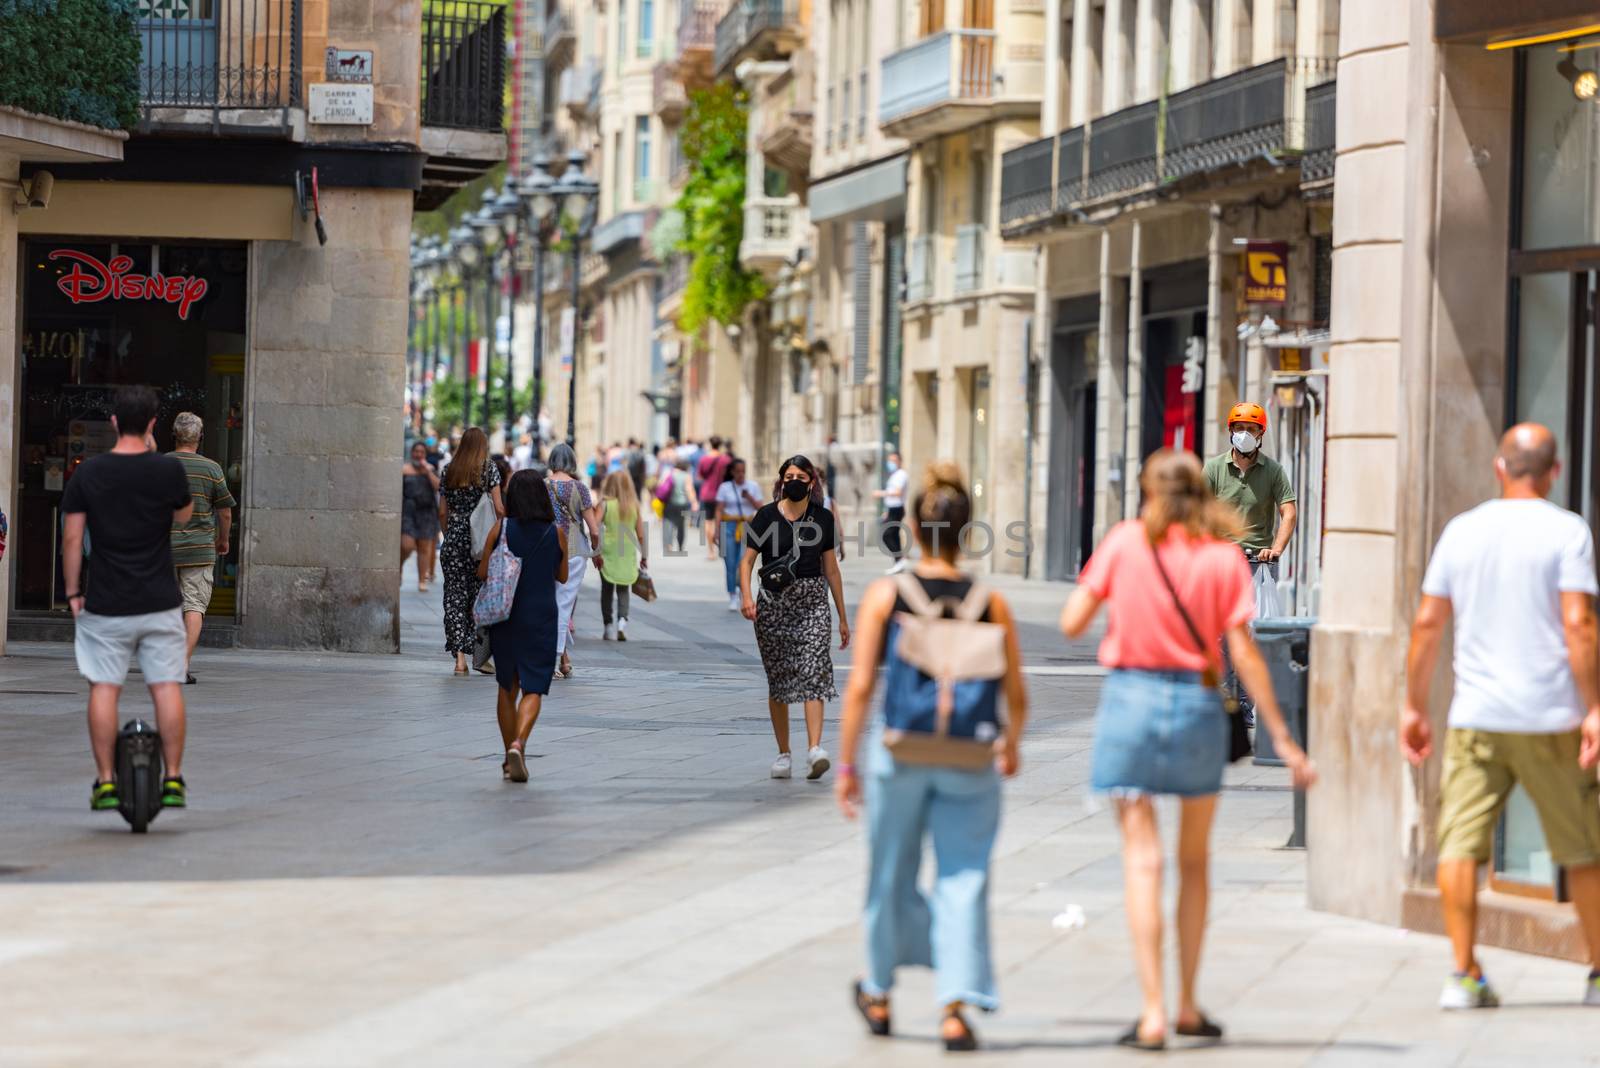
x,y
1149,51
326,372
1218,326
1111,413
1085,90
1131,460
10,316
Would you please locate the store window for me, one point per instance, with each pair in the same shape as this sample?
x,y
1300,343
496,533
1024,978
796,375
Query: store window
x,y
99,315
1560,145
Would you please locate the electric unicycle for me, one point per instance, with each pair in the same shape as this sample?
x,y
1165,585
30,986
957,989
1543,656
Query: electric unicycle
x,y
139,771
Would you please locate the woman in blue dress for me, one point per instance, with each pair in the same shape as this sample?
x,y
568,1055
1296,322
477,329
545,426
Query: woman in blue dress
x,y
524,645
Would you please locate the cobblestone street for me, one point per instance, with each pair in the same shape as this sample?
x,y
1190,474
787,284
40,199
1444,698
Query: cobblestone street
x,y
354,884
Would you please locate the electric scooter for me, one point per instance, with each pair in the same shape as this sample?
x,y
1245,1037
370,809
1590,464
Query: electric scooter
x,y
139,771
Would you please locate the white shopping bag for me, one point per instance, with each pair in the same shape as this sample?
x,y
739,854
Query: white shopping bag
x,y
1264,577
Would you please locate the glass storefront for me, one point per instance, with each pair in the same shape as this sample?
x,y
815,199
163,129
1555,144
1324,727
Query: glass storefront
x,y
101,314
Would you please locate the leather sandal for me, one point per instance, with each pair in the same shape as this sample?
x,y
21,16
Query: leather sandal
x,y
878,1025
1133,1040
966,1042
1204,1027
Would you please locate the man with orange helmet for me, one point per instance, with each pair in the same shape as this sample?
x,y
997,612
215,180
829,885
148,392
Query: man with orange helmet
x,y
1255,484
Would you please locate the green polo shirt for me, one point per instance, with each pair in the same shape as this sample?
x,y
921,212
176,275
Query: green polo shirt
x,y
1257,493
194,544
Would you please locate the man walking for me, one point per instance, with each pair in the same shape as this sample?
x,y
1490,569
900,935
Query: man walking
x,y
1259,487
129,499
1517,576
893,496
196,544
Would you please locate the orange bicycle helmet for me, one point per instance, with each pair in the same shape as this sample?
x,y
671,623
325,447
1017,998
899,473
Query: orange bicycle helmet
x,y
1248,413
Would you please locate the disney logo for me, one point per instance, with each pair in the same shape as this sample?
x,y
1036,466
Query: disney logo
x,y
91,280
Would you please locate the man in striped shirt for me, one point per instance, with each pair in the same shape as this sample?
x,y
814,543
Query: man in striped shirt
x,y
196,543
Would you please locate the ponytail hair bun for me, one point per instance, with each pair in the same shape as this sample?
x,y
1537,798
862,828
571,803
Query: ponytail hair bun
x,y
942,509
943,475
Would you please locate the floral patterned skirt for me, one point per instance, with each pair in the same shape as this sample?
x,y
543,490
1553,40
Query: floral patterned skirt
x,y
794,630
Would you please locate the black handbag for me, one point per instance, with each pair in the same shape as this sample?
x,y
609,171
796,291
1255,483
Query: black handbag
x,y
779,575
1239,744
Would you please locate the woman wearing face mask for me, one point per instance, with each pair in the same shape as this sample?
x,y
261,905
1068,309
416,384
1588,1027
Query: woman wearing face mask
x,y
793,630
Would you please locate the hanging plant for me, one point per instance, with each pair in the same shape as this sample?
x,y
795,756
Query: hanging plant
x,y
712,207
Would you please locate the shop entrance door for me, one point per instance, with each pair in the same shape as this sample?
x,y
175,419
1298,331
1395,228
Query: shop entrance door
x,y
88,328
1074,373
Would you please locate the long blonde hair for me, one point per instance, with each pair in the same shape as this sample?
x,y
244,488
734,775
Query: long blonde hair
x,y
466,466
1176,494
618,486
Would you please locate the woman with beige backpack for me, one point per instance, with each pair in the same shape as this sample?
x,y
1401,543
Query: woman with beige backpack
x,y
933,764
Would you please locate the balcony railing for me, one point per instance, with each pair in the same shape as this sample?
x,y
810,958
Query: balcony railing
x,y
560,36
1278,111
969,257
576,87
674,275
773,227
950,65
463,66
743,27
1316,166
920,263
670,97
220,54
697,25
1253,113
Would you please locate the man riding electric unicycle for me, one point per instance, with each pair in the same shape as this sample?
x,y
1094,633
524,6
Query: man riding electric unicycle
x,y
125,600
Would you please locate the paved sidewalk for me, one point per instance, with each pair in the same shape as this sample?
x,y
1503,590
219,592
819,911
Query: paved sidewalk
x,y
355,886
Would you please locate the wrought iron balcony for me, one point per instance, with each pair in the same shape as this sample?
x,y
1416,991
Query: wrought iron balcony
x,y
1255,113
577,89
949,81
773,228
670,97
463,66
1028,183
560,36
242,55
1122,152
1316,166
756,29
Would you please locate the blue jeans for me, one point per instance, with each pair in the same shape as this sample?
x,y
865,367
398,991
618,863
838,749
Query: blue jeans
x,y
731,552
949,929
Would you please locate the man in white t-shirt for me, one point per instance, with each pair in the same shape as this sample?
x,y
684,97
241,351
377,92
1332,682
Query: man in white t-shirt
x,y
893,496
1517,574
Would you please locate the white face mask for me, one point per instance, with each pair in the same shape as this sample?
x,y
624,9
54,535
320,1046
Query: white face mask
x,y
1245,442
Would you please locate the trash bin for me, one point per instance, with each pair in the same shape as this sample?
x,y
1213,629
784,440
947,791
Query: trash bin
x,y
1286,645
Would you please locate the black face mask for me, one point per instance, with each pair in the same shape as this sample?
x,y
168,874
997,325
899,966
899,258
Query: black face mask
x,y
796,490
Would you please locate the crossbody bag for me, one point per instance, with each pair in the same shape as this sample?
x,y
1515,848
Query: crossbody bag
x,y
1239,745
779,575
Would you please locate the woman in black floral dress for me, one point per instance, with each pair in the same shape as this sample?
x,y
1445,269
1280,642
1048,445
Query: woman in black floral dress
x,y
466,479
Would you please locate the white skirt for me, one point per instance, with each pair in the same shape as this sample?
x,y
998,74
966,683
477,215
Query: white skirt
x,y
567,599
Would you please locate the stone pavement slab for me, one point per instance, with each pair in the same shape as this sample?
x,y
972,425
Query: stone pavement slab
x,y
354,885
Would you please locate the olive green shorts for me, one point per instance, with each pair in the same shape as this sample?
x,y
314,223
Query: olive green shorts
x,y
1481,767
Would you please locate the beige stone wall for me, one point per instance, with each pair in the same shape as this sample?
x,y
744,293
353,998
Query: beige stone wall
x,y
392,29
324,379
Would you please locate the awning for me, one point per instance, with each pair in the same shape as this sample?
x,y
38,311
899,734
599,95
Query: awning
x,y
874,193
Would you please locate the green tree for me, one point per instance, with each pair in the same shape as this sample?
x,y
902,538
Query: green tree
x,y
712,206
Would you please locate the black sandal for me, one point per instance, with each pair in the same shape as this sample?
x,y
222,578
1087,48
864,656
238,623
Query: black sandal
x,y
967,1042
1206,1028
864,1001
1133,1040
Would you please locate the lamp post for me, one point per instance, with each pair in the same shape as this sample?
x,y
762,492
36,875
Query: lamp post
x,y
508,212
487,226
536,193
468,253
579,192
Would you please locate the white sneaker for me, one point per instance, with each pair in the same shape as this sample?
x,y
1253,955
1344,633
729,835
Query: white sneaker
x,y
817,763
733,602
899,566
1465,992
783,767
611,632
622,629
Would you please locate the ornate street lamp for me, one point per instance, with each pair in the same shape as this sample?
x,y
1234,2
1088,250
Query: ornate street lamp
x,y
537,194
466,249
508,212
576,193
487,227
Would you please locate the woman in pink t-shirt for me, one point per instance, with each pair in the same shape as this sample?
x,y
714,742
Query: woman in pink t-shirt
x,y
1161,728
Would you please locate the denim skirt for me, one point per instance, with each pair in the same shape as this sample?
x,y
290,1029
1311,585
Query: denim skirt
x,y
1159,732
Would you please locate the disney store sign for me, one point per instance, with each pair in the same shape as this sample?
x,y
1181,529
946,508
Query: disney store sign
x,y
91,280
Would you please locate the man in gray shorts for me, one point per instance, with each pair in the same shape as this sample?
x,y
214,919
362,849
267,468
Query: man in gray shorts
x,y
128,602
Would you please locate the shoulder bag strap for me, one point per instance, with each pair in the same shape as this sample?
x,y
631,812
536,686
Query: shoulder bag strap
x,y
974,604
915,597
1210,674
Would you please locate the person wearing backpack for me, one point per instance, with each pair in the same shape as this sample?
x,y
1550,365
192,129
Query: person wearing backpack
x,y
1176,585
676,494
933,763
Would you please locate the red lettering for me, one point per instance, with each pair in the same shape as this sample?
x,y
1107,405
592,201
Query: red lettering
x,y
89,280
